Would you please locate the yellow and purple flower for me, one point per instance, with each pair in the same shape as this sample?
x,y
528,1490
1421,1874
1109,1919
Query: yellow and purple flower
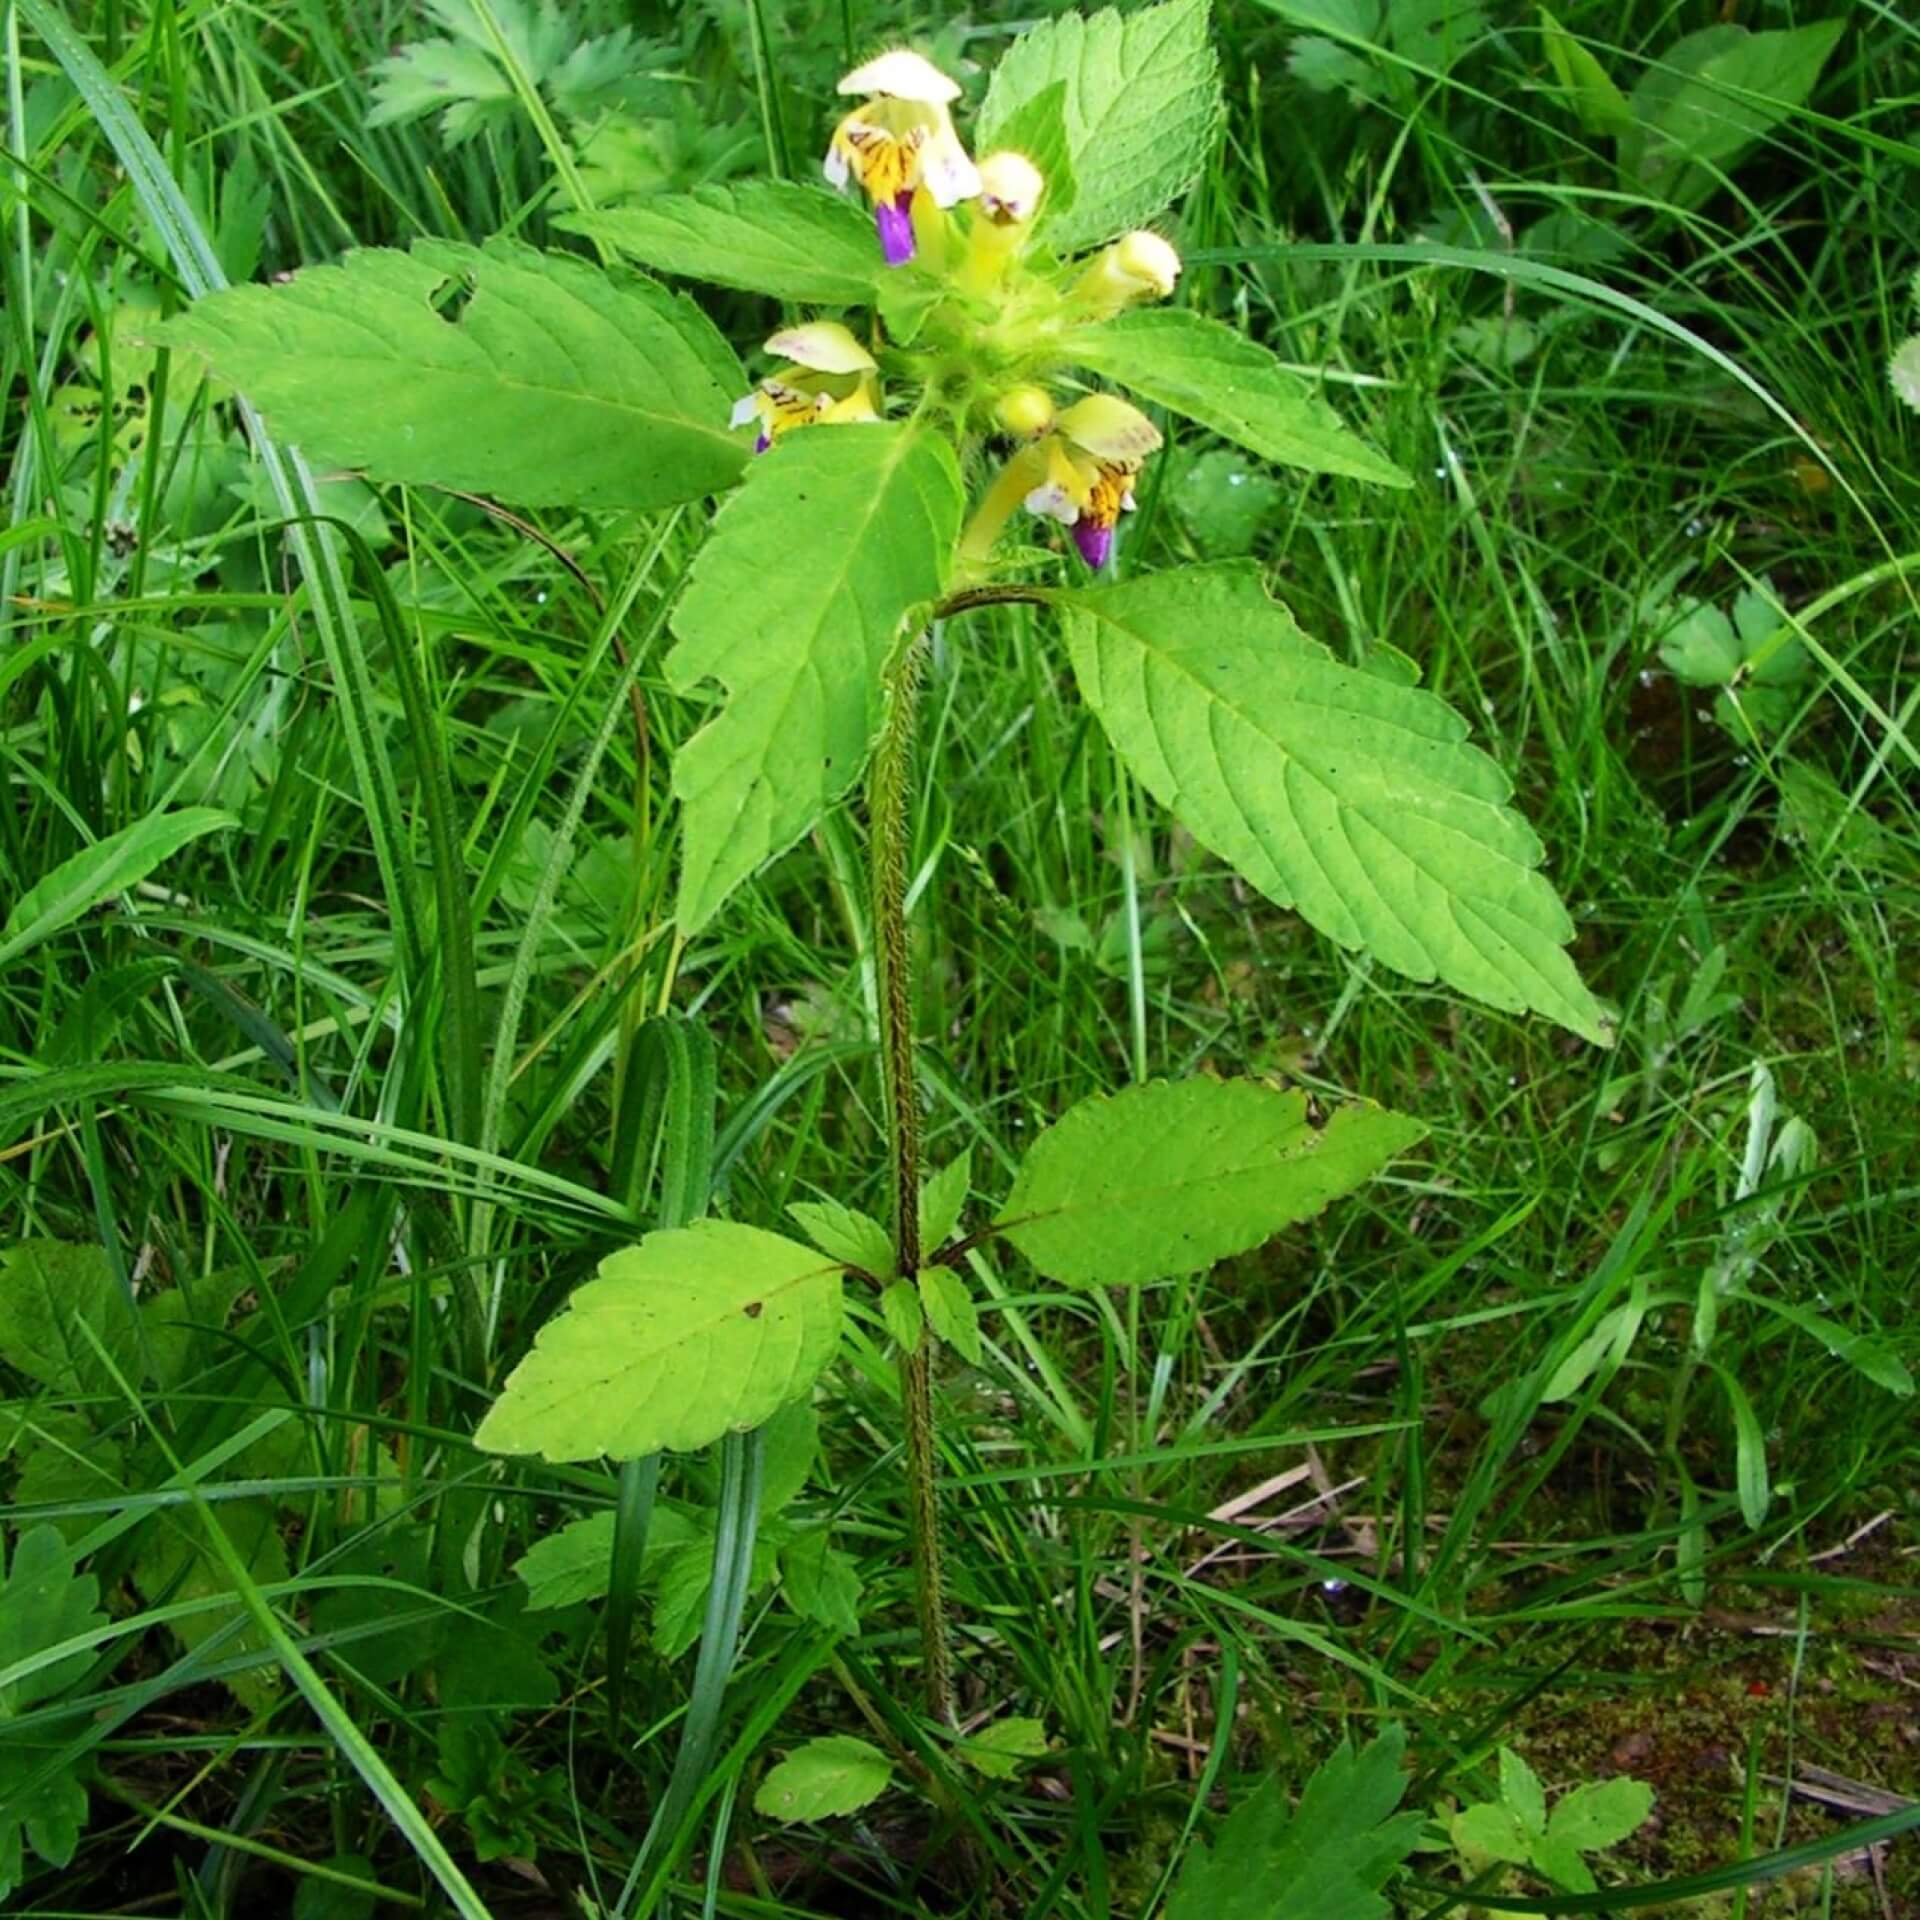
x,y
1085,470
827,380
900,142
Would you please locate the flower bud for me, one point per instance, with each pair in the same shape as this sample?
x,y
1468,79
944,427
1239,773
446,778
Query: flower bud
x,y
1024,411
1142,266
1010,188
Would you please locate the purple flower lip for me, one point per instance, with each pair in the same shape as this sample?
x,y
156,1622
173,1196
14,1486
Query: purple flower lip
x,y
1094,541
762,441
894,220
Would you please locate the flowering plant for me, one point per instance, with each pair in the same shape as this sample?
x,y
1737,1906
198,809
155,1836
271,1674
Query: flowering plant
x,y
967,330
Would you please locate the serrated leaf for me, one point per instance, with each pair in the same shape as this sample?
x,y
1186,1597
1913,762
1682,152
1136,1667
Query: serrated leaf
x,y
1600,1814
998,1750
941,1199
440,76
49,1817
1141,105
951,1312
1562,1865
772,237
789,1445
62,1459
826,1777
1491,1831
96,873
1325,1861
1520,1788
576,1563
686,1574
52,1297
821,1583
1358,803
1037,128
701,1331
906,1319
794,604
43,1602
1177,1175
177,1562
532,377
846,1234
1233,385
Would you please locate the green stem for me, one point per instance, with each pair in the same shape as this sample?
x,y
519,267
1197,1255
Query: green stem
x,y
887,795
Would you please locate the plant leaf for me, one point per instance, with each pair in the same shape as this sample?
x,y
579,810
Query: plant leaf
x,y
1599,105
177,1562
1325,1861
1600,1814
575,1564
43,1602
998,1750
1861,1351
1357,802
1520,1788
906,1319
821,1583
80,882
546,381
1711,96
1233,385
48,1818
704,1330
834,1775
1141,104
1493,1832
51,1295
771,237
941,1198
796,600
847,1234
951,1312
1176,1175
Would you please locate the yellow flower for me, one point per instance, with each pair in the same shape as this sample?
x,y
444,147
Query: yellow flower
x,y
1142,266
901,141
1090,460
827,380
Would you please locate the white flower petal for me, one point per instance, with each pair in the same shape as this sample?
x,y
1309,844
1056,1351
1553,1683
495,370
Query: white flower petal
x,y
905,76
1053,502
946,172
836,166
745,409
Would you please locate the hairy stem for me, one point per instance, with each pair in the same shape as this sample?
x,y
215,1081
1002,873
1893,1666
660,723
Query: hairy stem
x,y
888,782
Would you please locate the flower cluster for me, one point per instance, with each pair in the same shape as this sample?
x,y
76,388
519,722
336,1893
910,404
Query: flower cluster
x,y
1001,310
